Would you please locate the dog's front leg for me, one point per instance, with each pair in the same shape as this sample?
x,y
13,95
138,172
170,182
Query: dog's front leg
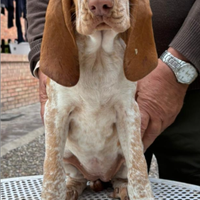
x,y
54,183
128,127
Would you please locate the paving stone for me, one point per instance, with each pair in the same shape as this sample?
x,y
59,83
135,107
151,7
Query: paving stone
x,y
26,160
28,121
10,116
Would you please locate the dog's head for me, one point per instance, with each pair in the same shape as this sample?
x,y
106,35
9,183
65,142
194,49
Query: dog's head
x,y
131,18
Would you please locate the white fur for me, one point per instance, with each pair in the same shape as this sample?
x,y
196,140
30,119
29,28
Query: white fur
x,y
87,113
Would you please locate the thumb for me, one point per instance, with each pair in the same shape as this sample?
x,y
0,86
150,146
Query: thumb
x,y
43,99
42,104
145,118
151,133
42,93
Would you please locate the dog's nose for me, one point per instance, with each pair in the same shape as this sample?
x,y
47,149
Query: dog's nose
x,y
100,7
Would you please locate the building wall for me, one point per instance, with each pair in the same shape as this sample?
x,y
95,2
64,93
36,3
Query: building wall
x,y
18,87
10,33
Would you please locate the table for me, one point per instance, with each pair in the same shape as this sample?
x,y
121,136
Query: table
x,y
29,188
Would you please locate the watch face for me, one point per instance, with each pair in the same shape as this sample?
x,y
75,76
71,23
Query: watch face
x,y
186,74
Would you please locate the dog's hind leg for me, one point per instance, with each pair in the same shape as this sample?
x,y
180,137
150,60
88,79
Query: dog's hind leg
x,y
128,128
75,182
99,185
119,183
120,189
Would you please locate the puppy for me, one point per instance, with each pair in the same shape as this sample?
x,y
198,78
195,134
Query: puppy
x,y
92,121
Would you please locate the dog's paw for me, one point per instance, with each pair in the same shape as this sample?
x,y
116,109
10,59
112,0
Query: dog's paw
x,y
98,185
71,195
120,193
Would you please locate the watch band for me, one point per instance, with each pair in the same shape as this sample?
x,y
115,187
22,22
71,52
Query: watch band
x,y
185,72
173,62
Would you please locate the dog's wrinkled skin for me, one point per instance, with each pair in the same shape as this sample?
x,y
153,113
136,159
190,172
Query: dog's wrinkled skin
x,y
93,129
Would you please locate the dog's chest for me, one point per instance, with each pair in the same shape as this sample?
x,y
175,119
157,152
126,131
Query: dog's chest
x,y
92,136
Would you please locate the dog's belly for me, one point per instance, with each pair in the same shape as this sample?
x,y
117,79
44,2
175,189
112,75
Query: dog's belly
x,y
94,144
95,169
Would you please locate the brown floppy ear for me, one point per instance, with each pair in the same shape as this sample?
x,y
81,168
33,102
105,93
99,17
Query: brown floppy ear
x,y
140,55
59,53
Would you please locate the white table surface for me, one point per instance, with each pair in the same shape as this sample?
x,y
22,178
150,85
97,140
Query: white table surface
x,y
29,188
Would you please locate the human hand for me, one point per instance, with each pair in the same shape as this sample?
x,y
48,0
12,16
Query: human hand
x,y
42,92
160,99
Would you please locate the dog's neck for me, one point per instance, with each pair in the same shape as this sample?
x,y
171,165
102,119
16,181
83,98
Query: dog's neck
x,y
104,40
101,58
99,40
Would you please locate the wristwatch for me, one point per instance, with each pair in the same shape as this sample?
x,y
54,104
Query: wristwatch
x,y
185,72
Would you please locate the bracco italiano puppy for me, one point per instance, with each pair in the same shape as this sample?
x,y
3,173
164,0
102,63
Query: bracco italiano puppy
x,y
93,52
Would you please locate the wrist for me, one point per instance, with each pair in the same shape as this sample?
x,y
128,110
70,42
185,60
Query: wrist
x,y
178,55
163,72
184,71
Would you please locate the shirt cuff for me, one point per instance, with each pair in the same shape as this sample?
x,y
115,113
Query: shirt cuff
x,y
35,71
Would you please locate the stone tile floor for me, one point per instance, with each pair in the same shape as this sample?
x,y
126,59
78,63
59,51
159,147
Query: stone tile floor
x,y
20,121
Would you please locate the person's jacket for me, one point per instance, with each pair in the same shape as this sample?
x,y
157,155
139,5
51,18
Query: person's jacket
x,y
175,24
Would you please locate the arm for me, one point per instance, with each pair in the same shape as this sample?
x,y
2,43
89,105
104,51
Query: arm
x,y
160,96
36,11
187,40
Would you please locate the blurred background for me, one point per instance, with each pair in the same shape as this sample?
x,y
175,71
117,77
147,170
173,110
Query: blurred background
x,y
21,125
